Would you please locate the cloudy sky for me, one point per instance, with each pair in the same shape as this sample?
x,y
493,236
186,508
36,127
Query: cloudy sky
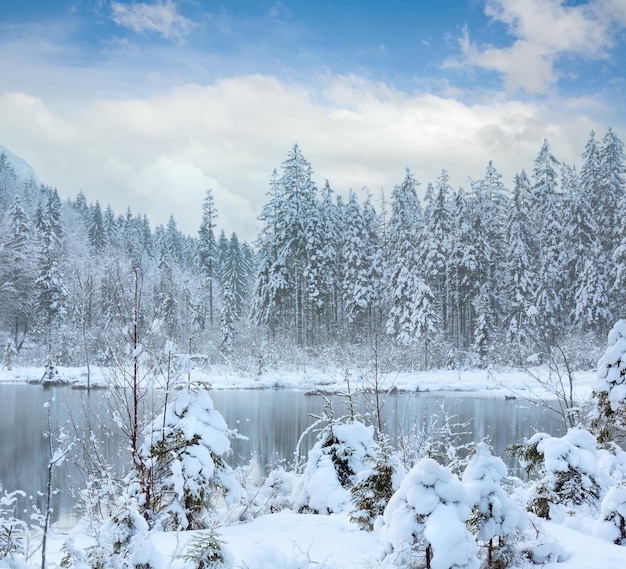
x,y
147,104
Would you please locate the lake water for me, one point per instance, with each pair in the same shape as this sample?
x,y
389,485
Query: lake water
x,y
272,421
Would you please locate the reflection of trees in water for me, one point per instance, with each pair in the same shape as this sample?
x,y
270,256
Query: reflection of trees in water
x,y
272,421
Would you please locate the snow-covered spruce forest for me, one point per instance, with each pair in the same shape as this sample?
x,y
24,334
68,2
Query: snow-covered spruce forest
x,y
470,277
490,273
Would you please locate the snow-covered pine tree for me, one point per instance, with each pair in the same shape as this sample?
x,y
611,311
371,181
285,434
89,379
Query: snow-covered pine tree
x,y
280,297
343,449
612,524
609,414
566,471
50,289
412,316
520,267
321,271
206,251
487,206
587,266
361,264
496,519
424,522
546,204
18,272
371,494
184,452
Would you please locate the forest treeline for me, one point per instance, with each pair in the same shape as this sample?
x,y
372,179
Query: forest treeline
x,y
487,274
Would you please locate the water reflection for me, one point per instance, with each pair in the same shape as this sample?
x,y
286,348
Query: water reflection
x,y
271,420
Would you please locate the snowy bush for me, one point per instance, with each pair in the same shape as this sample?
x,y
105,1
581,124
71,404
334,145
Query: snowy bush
x,y
609,416
371,494
424,520
612,526
495,519
123,542
184,450
341,452
567,472
269,496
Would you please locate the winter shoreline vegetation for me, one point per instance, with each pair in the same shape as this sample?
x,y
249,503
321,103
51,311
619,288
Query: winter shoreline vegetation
x,y
355,502
476,280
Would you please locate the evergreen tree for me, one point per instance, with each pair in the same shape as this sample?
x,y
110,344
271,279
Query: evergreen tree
x,y
207,249
96,230
286,246
520,263
412,316
50,288
361,264
547,207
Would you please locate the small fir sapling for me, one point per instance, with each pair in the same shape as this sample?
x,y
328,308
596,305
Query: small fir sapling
x,y
566,470
124,542
185,449
424,522
608,418
341,452
371,494
207,551
612,524
495,519
13,532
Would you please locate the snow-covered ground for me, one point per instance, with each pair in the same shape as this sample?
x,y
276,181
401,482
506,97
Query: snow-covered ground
x,y
287,540
497,382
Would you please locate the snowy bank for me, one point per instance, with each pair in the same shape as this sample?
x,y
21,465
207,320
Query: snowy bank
x,y
498,383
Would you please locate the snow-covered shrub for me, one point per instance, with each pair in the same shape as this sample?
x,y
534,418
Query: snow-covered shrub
x,y
123,542
609,415
269,496
184,450
567,472
495,519
424,522
13,532
371,494
612,526
341,452
206,551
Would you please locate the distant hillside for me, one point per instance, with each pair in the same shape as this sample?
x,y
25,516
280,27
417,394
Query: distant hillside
x,y
23,170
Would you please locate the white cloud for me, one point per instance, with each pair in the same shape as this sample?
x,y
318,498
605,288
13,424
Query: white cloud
x,y
158,155
160,17
543,31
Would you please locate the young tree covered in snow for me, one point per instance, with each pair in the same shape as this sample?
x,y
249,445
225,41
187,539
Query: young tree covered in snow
x,y
342,451
371,494
567,472
184,453
425,520
612,524
609,415
495,519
